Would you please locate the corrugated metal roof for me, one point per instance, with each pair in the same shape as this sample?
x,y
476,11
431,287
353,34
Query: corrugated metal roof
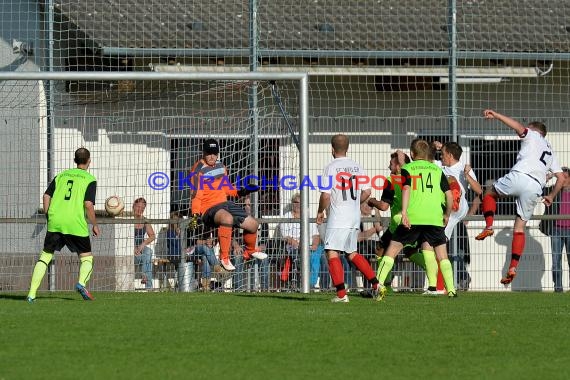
x,y
357,25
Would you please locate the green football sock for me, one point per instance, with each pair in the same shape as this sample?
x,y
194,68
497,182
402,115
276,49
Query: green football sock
x,y
430,267
447,273
85,269
384,267
39,272
418,259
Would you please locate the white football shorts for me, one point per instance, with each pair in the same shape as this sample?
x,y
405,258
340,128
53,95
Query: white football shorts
x,y
341,239
524,187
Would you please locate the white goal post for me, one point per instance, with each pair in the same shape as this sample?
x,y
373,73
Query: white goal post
x,y
301,77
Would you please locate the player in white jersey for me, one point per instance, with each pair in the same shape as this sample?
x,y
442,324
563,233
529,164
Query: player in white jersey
x,y
525,181
465,178
452,166
342,204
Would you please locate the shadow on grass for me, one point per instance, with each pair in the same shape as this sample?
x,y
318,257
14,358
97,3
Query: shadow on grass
x,y
18,297
279,296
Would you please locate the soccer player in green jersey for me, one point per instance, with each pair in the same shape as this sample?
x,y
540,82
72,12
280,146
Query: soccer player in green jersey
x,y
392,199
68,199
423,219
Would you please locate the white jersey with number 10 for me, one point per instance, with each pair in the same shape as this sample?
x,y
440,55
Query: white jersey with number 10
x,y
344,209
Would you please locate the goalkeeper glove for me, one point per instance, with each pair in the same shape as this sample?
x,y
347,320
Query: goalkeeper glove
x,y
247,189
194,221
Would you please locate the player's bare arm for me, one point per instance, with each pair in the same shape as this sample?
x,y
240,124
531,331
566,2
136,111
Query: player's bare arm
x,y
315,242
365,195
90,212
46,202
548,199
380,205
509,122
324,202
405,204
473,183
150,233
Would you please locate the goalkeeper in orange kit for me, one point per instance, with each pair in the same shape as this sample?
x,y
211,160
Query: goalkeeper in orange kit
x,y
210,191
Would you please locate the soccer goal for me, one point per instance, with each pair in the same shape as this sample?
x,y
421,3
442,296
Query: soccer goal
x,y
144,130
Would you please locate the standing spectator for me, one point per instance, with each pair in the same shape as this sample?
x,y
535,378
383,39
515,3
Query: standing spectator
x,y
210,189
68,199
558,230
524,181
342,203
291,234
423,218
143,253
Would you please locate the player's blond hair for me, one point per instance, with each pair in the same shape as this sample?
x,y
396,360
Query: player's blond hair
x,y
421,150
340,143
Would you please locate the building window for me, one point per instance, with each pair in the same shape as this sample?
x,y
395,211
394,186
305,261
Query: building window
x,y
492,159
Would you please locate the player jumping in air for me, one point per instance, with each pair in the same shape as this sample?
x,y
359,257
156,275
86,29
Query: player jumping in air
x,y
209,201
524,181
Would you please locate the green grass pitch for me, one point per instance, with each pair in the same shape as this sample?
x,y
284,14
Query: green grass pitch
x,y
284,336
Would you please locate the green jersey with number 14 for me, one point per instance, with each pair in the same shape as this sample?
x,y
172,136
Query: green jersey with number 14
x,y
427,187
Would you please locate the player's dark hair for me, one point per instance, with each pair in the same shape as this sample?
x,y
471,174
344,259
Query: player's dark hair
x,y
540,127
407,159
340,143
139,200
454,149
82,156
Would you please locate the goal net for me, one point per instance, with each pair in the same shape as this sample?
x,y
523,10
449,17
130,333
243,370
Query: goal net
x,y
144,136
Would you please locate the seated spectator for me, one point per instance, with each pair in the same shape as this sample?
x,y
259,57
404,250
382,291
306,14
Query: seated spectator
x,y
204,252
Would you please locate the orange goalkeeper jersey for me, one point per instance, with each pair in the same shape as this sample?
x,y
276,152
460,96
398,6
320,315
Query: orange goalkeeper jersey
x,y
212,186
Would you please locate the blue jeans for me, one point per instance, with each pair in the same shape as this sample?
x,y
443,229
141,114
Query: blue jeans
x,y
238,278
324,273
206,254
315,263
145,259
559,239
